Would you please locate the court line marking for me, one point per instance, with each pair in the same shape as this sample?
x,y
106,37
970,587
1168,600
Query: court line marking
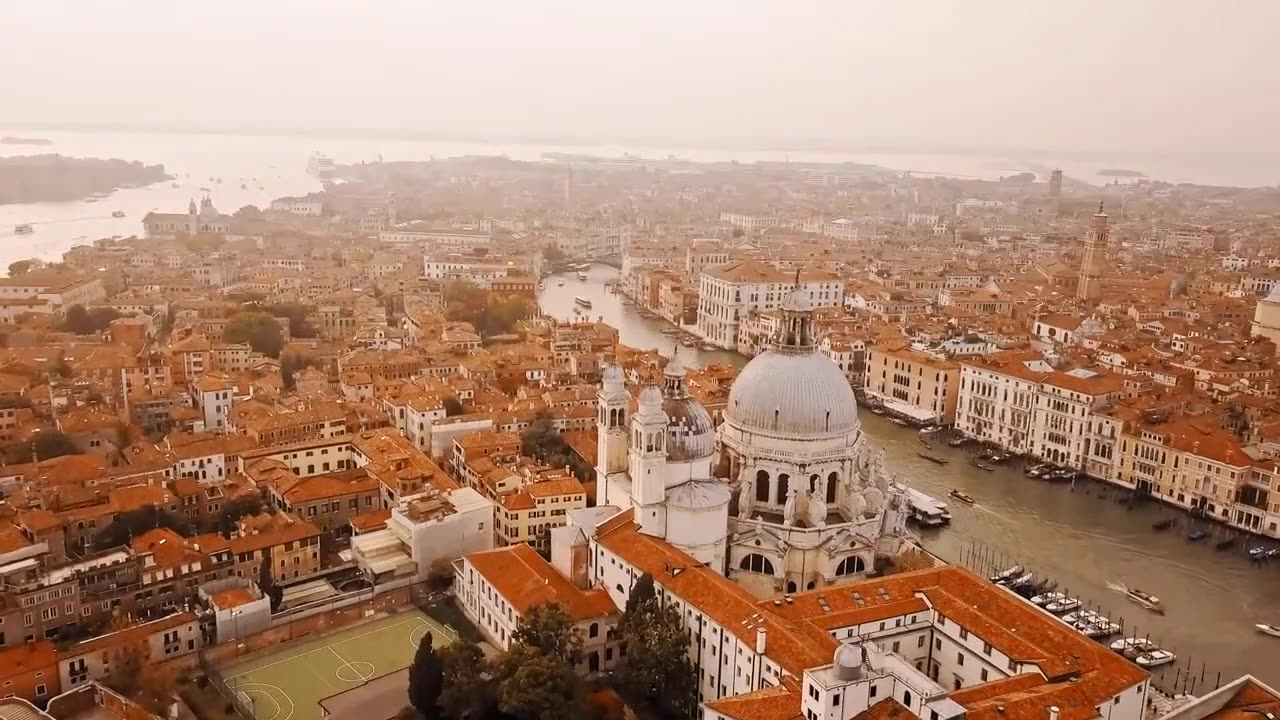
x,y
418,620
426,627
284,695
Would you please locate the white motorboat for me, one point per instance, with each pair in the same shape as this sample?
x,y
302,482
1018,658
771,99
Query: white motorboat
x,y
560,283
1101,629
1066,604
931,429
1024,579
1045,598
582,301
1007,574
1145,599
1155,658
582,275
1134,645
1083,616
1272,630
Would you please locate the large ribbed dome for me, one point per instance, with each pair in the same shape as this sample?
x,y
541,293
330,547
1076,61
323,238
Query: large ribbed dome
x,y
792,393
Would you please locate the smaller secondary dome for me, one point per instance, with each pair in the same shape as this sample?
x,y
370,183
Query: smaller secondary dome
x,y
650,397
613,375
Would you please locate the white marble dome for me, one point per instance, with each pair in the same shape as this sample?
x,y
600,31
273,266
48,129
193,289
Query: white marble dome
x,y
788,392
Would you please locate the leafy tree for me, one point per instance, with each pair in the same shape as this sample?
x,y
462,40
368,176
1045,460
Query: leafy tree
x,y
539,687
452,406
468,689
51,444
136,677
489,314
18,267
132,523
552,253
287,370
440,575
299,325
548,629
642,594
235,509
737,232
656,673
259,329
84,322
542,440
426,679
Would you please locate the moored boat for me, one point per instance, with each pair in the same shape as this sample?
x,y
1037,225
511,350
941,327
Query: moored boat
x,y
1100,629
963,497
900,421
1258,553
957,442
1045,598
931,429
1007,574
932,458
1066,604
1155,658
877,410
1133,644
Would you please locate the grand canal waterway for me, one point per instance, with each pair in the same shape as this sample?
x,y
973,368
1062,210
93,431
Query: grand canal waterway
x,y
1083,538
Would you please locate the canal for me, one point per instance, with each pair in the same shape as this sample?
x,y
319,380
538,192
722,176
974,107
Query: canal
x,y
1084,538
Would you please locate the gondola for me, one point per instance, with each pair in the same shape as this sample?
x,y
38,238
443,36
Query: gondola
x,y
1162,524
932,458
980,465
1197,535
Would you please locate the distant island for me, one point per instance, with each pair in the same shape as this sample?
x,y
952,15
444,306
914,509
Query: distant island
x,y
55,178
11,140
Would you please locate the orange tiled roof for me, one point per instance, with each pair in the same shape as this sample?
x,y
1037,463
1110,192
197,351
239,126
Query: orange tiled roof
x,y
526,580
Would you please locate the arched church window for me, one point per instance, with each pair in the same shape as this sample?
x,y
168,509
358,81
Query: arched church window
x,y
832,480
756,563
784,480
762,486
852,565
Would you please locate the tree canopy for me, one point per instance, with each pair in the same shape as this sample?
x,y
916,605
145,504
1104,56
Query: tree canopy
x,y
426,679
84,322
259,329
656,674
51,444
540,687
548,629
299,325
542,440
487,312
17,267
132,523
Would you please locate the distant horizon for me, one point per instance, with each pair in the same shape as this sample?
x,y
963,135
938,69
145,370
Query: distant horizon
x,y
607,139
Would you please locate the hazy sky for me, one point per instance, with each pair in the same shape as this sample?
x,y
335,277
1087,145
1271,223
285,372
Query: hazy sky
x,y
895,74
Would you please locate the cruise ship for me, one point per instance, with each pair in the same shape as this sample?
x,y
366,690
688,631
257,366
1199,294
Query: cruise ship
x,y
320,165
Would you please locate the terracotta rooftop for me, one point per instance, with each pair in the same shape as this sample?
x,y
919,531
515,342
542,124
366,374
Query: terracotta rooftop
x,y
525,580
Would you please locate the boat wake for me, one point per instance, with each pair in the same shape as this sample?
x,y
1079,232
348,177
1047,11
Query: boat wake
x,y
1118,587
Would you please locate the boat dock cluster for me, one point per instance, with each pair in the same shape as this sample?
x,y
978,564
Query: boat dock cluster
x,y
1090,623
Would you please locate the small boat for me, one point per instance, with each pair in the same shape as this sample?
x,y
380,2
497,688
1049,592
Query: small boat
x,y
1162,524
582,275
1034,472
1258,553
1133,644
91,199
900,421
1104,628
1272,630
176,185
932,458
23,229
1273,552
980,465
963,497
577,310
1145,599
1065,605
579,300
957,442
1155,658
117,214
1006,574
1083,616
560,284
1045,598
1022,580
931,429
1197,535
205,189
1225,544
997,458
877,410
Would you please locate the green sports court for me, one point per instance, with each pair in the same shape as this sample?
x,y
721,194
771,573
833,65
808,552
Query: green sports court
x,y
289,684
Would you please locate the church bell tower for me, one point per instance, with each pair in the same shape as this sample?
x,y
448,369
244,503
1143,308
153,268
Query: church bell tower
x,y
613,402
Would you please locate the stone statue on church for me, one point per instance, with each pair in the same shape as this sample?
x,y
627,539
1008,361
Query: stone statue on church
x,y
790,508
856,505
875,500
817,510
745,492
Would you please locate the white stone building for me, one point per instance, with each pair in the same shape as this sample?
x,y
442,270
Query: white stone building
x,y
728,292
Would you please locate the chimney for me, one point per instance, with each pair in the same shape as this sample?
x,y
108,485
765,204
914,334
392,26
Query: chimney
x,y
1053,712
761,636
